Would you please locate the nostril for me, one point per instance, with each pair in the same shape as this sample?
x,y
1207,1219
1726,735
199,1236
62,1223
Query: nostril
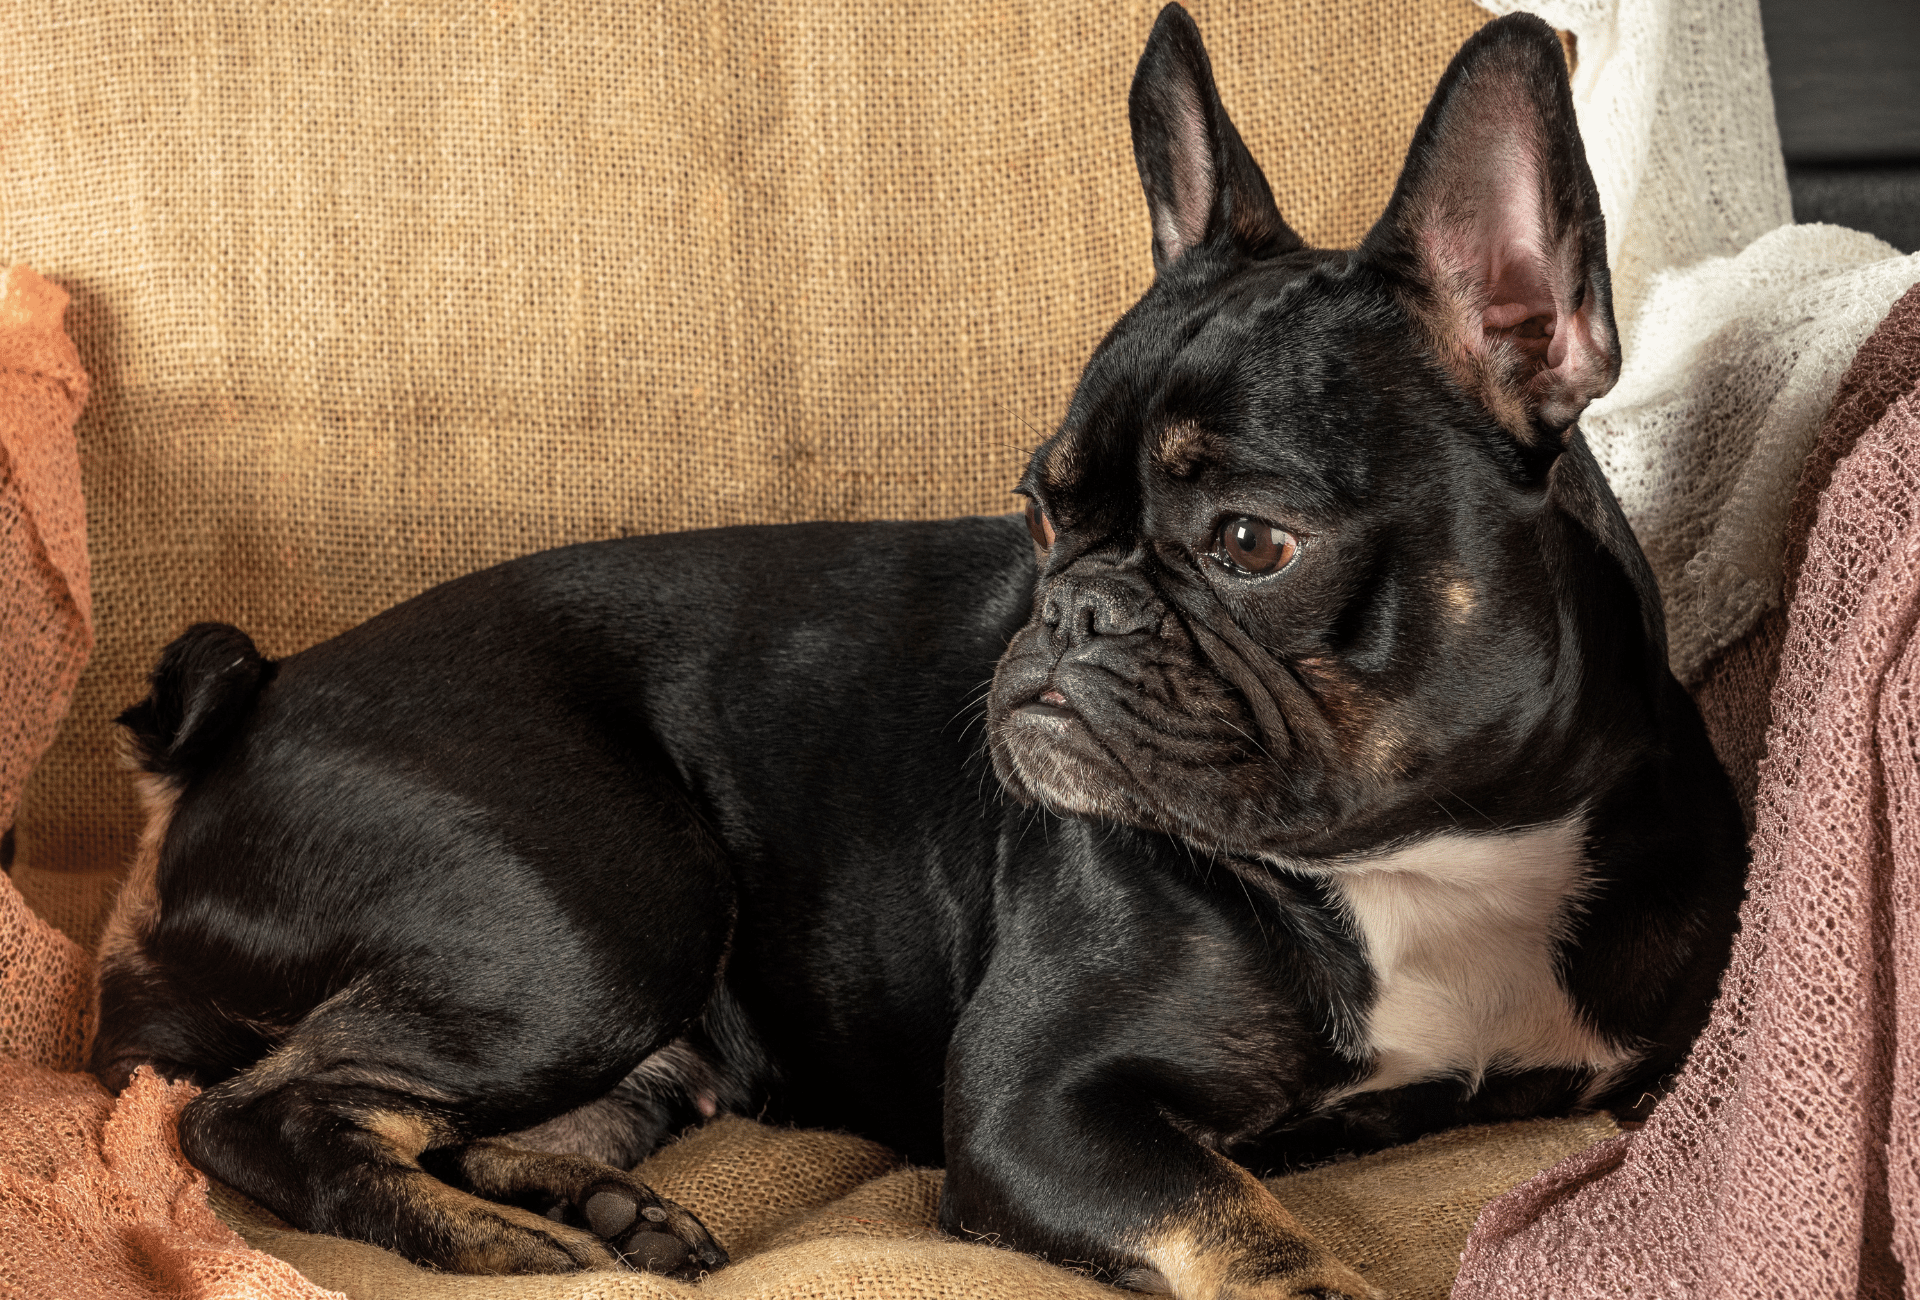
x,y
1050,610
1082,612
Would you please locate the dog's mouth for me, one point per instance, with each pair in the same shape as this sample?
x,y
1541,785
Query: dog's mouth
x,y
1047,751
1051,706
1102,740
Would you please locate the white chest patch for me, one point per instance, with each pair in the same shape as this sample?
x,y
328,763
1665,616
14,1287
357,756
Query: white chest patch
x,y
1461,931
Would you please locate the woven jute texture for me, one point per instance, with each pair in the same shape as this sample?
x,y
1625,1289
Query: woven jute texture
x,y
373,295
809,1216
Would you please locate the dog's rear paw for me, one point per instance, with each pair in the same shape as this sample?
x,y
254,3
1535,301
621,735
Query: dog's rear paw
x,y
643,1229
650,1233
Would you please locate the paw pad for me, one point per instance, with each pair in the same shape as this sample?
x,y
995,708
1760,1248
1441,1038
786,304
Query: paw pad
x,y
650,1234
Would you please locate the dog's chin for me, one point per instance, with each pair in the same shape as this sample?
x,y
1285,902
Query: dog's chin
x,y
1052,757
1048,756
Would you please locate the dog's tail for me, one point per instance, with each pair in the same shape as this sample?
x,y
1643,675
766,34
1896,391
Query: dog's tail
x,y
204,684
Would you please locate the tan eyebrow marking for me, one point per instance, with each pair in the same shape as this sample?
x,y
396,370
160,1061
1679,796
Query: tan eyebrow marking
x,y
1181,447
1064,462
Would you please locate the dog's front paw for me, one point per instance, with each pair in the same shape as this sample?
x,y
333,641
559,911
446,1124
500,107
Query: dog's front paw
x,y
649,1232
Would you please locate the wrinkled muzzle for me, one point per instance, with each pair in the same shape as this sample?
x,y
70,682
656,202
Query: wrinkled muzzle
x,y
1116,702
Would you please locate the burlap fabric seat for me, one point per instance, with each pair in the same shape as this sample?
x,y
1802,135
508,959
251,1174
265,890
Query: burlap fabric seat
x,y
369,297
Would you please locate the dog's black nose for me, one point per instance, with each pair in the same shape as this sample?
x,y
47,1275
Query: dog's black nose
x,y
1103,606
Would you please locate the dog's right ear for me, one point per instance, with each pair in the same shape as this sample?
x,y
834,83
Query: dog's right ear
x,y
1202,185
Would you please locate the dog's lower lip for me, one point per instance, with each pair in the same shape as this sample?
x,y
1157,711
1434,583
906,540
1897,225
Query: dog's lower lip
x,y
1051,704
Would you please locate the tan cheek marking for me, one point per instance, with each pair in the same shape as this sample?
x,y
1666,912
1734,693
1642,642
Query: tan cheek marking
x,y
1374,737
1461,599
1347,706
1385,751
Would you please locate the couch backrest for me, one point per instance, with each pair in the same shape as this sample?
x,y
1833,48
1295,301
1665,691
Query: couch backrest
x,y
375,295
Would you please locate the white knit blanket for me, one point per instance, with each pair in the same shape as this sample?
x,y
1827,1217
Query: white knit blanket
x,y
1736,324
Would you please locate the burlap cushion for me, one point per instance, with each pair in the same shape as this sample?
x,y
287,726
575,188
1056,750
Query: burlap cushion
x,y
375,295
810,1216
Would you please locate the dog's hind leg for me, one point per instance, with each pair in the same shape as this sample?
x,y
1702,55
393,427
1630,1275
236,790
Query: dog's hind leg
x,y
341,1135
649,1231
717,1067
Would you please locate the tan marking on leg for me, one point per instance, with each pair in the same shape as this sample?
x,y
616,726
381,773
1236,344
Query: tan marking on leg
x,y
407,1133
488,1238
480,1236
1244,1243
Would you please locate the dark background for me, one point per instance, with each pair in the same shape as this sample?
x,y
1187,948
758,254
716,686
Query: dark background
x,y
1846,88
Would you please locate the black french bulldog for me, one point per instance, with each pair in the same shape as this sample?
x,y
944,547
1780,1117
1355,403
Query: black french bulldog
x,y
1339,789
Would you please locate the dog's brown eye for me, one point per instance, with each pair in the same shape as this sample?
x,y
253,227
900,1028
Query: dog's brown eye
x,y
1256,546
1039,525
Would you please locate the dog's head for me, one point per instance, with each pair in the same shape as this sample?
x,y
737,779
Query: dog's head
x,y
1322,557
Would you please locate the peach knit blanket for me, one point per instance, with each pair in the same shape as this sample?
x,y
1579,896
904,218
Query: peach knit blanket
x,y
95,1200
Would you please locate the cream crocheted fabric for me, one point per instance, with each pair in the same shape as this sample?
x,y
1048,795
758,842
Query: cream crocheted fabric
x,y
1734,362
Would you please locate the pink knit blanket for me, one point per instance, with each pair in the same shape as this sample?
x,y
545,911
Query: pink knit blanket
x,y
1787,1160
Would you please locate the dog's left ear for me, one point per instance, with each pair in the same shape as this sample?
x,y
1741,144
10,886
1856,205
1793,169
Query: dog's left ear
x,y
1495,234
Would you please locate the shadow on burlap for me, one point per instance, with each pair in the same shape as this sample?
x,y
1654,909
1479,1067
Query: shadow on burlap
x,y
809,1215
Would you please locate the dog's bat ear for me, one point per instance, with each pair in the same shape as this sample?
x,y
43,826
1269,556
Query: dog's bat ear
x,y
1495,234
1201,182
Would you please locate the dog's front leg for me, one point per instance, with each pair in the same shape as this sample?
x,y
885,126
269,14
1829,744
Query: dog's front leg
x,y
1068,1134
1146,1206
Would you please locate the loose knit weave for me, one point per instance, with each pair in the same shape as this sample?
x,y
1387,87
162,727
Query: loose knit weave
x,y
45,634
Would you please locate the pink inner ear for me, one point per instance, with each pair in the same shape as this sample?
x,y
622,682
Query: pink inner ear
x,y
1184,222
1506,249
1506,263
1491,243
